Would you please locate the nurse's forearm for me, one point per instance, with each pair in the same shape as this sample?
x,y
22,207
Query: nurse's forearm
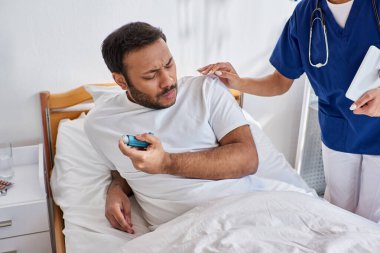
x,y
270,85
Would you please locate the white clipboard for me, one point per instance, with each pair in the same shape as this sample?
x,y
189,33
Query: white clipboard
x,y
368,75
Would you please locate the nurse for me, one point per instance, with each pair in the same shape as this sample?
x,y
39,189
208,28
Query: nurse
x,y
328,40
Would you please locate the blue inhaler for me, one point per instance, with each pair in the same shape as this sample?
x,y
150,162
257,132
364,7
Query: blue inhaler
x,y
131,141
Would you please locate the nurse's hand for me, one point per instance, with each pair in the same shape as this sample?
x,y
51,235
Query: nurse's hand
x,y
368,104
153,160
118,208
226,73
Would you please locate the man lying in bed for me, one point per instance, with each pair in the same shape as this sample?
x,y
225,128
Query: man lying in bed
x,y
202,147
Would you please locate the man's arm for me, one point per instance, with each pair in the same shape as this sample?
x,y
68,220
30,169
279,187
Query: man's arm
x,y
234,158
118,207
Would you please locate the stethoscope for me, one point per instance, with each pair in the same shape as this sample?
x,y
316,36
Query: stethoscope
x,y
315,18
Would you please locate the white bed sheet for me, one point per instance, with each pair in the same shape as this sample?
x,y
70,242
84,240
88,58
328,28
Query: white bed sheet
x,y
262,222
79,183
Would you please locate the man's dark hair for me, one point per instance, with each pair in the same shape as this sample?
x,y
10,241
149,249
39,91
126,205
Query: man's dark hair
x,y
130,37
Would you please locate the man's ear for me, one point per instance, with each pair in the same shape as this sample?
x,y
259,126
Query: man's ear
x,y
120,80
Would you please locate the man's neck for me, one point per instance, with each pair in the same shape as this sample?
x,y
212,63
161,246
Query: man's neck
x,y
130,97
339,1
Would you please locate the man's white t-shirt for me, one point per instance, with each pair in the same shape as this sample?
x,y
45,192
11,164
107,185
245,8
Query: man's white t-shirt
x,y
204,112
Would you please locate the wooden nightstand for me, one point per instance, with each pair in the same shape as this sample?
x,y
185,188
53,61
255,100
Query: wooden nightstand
x,y
24,219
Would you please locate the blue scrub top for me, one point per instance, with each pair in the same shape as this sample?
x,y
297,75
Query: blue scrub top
x,y
341,129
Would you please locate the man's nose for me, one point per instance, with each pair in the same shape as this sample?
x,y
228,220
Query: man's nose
x,y
166,79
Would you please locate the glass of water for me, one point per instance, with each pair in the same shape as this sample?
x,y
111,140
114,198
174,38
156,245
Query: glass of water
x,y
6,169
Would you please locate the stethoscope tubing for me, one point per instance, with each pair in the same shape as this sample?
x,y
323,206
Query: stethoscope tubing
x,y
322,20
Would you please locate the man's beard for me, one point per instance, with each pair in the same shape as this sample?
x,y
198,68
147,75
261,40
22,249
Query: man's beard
x,y
144,100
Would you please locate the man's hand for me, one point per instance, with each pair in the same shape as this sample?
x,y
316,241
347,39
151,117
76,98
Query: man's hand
x,y
153,160
368,104
118,207
226,73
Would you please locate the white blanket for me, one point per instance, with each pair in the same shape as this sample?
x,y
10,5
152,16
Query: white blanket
x,y
262,222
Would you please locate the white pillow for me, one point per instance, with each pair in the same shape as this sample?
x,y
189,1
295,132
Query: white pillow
x,y
101,93
272,163
79,183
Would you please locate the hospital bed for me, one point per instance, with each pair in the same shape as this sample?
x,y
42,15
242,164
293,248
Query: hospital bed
x,y
282,221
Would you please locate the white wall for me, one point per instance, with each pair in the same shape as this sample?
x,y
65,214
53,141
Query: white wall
x,y
55,45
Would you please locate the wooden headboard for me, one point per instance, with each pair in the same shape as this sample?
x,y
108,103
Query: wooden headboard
x,y
52,111
55,107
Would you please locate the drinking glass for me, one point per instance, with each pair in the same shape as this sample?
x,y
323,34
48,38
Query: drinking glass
x,y
6,169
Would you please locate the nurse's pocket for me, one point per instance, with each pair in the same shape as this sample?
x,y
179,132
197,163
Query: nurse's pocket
x,y
333,130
